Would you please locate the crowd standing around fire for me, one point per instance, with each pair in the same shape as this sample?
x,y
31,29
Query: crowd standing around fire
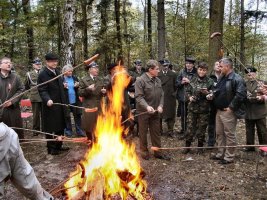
x,y
209,106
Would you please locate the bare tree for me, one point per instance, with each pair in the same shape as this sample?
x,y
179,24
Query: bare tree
x,y
242,34
149,28
69,32
161,30
118,27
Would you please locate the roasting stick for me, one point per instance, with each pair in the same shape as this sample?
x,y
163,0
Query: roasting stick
x,y
88,110
142,113
217,147
57,137
86,62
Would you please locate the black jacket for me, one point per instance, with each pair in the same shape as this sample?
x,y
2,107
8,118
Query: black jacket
x,y
235,94
53,117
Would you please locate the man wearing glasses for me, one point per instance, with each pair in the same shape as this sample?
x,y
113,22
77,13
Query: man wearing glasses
x,y
31,81
10,86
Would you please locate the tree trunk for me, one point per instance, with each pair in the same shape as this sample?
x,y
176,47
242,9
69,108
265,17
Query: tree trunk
x,y
84,29
149,28
59,30
69,32
255,35
242,34
216,25
161,30
118,28
29,30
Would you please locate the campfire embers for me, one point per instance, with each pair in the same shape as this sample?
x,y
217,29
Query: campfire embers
x,y
111,169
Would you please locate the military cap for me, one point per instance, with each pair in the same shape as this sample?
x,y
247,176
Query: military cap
x,y
111,66
250,69
190,59
37,61
165,62
51,56
138,62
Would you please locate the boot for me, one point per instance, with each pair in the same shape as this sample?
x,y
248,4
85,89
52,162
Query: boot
x,y
187,144
200,144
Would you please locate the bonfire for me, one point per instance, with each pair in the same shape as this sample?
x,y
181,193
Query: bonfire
x,y
110,167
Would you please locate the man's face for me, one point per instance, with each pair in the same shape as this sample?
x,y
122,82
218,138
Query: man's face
x,y
165,67
37,66
154,72
225,69
251,75
6,65
138,67
94,71
189,65
52,64
217,67
202,72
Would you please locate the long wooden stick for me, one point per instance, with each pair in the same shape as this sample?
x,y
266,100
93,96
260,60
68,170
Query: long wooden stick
x,y
79,107
90,60
215,147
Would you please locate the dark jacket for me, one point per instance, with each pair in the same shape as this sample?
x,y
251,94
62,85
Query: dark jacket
x,y
255,109
11,86
235,94
168,86
54,116
182,87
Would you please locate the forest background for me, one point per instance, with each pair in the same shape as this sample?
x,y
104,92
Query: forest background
x,y
128,30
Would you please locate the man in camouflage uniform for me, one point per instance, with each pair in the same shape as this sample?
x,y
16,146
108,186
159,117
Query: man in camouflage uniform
x,y
198,107
31,81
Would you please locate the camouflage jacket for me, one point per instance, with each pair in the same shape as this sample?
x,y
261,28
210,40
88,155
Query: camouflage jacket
x,y
200,103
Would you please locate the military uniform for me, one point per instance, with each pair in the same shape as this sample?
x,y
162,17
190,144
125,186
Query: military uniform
x,y
31,81
91,99
198,110
168,79
255,115
148,92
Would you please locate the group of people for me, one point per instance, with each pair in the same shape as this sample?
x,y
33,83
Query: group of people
x,y
210,102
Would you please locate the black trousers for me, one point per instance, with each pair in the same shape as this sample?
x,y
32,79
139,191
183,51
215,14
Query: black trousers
x,y
260,124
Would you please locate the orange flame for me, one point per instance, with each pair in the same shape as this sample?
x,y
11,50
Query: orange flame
x,y
110,154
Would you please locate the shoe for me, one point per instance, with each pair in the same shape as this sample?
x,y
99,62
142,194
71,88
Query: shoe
x,y
225,162
53,152
162,157
248,149
214,157
145,156
64,149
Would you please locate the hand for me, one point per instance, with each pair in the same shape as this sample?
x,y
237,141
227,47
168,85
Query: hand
x,y
204,91
76,84
65,85
185,80
104,91
160,109
7,104
260,98
91,87
150,109
50,103
192,99
209,97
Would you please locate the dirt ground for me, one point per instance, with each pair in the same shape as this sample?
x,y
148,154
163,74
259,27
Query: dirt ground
x,y
190,176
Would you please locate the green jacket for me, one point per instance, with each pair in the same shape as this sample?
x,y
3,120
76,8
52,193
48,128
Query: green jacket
x,y
31,81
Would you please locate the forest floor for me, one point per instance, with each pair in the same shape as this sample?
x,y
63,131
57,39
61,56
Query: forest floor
x,y
190,176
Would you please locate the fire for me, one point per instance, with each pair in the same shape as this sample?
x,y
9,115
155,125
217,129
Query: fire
x,y
110,158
